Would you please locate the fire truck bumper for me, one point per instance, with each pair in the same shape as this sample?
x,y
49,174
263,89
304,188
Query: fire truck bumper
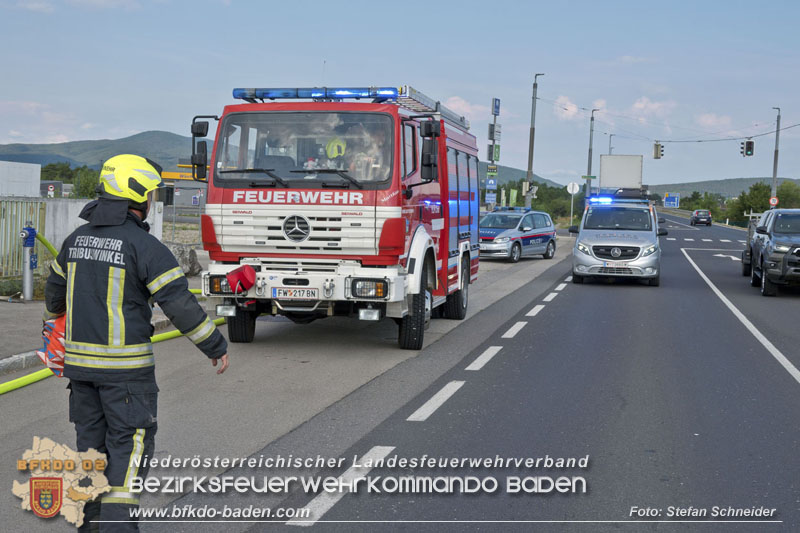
x,y
381,289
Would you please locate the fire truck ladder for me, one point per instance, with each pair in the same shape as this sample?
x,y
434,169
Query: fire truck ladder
x,y
404,96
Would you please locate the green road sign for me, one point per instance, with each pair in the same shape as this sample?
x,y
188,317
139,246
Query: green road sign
x,y
589,177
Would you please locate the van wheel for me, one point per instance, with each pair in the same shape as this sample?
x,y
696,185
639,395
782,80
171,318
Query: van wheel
x,y
768,288
516,253
456,305
577,279
551,250
242,326
654,282
755,280
412,326
746,267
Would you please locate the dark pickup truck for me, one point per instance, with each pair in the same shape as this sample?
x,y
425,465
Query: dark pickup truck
x,y
772,254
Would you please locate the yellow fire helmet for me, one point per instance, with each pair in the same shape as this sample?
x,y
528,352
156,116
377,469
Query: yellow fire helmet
x,y
130,177
335,148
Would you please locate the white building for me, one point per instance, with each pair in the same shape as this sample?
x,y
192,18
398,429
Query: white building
x,y
20,179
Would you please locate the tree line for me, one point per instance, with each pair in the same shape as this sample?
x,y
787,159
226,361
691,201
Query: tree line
x,y
83,179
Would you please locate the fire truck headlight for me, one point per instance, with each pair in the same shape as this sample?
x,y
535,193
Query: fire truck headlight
x,y
369,288
219,285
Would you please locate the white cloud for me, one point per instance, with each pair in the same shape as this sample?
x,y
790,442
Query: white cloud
x,y
35,122
87,126
38,7
471,111
644,107
711,120
106,4
632,60
565,109
14,133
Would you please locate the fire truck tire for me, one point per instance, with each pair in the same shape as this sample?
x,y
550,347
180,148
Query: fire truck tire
x,y
242,326
456,305
412,326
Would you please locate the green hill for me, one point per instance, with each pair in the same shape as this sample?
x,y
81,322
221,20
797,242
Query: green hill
x,y
162,147
728,188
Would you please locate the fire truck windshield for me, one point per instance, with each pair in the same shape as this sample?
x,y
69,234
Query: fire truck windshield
x,y
305,148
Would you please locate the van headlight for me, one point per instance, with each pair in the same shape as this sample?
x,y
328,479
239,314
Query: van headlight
x,y
782,248
583,248
650,250
501,240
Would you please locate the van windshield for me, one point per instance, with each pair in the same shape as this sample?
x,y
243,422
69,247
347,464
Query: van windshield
x,y
305,148
787,223
618,218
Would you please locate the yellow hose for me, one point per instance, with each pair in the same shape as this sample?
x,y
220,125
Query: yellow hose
x,y
39,375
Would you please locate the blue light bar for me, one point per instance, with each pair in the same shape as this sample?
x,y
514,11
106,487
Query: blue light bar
x,y
334,93
601,200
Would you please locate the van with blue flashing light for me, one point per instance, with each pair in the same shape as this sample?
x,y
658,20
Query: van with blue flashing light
x,y
513,233
348,201
618,238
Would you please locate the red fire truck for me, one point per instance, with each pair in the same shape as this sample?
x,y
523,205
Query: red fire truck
x,y
359,202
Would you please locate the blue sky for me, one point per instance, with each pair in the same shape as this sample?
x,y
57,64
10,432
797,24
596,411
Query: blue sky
x,y
95,69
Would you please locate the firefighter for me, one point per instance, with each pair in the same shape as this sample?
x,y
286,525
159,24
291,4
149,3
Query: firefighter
x,y
103,280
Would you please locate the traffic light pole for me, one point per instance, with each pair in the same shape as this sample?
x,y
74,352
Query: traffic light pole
x,y
775,159
529,176
589,166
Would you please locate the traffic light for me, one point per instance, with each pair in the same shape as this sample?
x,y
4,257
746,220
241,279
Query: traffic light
x,y
741,148
658,151
749,147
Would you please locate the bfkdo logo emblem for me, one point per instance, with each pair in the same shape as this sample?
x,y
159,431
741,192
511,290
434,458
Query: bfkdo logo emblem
x,y
46,496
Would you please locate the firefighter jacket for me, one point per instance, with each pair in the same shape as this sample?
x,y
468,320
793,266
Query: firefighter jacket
x,y
103,279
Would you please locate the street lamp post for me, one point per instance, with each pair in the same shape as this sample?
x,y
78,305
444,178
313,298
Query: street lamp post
x,y
529,176
609,143
775,159
589,166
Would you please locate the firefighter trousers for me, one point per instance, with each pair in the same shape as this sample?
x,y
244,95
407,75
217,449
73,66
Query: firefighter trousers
x,y
120,420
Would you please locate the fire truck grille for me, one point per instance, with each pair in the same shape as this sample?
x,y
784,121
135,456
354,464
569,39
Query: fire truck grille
x,y
302,229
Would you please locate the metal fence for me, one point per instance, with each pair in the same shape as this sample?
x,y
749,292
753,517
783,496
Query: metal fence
x,y
14,215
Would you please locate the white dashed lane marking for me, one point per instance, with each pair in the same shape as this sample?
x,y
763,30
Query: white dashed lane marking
x,y
724,240
484,358
549,297
513,330
706,240
688,239
422,414
670,238
568,279
535,310
561,287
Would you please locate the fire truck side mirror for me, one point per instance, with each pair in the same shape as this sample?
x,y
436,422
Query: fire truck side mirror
x,y
430,159
200,161
430,128
199,129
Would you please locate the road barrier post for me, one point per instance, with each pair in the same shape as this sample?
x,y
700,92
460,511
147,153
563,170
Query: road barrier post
x,y
29,260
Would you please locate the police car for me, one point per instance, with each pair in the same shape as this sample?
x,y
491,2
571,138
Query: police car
x,y
513,232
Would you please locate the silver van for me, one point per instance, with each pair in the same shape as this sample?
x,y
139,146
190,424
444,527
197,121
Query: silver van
x,y
617,238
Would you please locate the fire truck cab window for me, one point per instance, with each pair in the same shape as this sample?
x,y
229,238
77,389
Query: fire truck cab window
x,y
313,147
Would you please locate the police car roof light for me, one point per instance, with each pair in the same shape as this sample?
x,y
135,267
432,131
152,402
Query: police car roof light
x,y
601,200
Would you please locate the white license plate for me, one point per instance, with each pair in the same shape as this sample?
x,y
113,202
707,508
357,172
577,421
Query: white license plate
x,y
615,264
285,293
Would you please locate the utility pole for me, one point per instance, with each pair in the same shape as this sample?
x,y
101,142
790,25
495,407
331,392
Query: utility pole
x,y
529,176
775,160
589,166
609,143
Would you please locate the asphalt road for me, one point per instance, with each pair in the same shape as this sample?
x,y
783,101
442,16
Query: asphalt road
x,y
682,396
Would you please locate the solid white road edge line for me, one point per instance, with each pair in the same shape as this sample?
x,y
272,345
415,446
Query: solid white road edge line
x,y
793,371
513,330
422,414
535,310
561,286
484,358
324,501
549,297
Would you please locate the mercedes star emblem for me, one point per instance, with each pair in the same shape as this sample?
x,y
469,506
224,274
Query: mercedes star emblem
x,y
296,228
616,252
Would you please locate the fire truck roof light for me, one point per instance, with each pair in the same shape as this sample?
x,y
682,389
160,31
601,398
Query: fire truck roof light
x,y
316,92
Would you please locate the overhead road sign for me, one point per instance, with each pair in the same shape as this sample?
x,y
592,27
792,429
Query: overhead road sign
x,y
672,200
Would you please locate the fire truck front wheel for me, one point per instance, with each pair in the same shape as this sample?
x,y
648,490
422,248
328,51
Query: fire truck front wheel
x,y
412,326
242,326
